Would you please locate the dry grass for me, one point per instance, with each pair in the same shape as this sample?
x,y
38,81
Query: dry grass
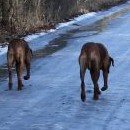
x,y
30,15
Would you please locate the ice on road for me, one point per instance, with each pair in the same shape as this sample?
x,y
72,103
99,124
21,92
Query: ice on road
x,y
50,100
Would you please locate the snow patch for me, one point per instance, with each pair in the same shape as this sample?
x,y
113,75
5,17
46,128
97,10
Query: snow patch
x,y
41,39
76,19
34,36
3,50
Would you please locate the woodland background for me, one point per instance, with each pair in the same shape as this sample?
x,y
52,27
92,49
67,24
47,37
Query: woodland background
x,y
21,17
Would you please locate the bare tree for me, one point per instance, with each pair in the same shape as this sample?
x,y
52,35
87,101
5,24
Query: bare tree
x,y
23,16
5,12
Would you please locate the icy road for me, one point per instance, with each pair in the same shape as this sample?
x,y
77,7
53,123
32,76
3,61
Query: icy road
x,y
50,100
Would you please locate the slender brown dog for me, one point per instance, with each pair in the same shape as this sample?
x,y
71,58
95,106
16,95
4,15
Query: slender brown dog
x,y
95,57
19,53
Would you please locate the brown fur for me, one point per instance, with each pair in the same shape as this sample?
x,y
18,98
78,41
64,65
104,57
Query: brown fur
x,y
19,53
95,57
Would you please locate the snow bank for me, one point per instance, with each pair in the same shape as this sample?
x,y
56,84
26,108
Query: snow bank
x,y
39,40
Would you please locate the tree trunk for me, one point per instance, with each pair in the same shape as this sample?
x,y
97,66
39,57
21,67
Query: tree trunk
x,y
5,12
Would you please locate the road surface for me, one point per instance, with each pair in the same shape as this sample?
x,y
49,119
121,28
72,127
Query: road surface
x,y
50,100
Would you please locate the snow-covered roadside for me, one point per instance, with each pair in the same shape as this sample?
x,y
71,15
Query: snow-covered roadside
x,y
39,40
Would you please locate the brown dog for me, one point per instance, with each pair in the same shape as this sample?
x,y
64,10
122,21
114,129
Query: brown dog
x,y
19,53
95,57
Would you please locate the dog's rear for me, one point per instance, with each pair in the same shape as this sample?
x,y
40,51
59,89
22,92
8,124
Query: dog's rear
x,y
95,57
90,57
16,51
20,54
